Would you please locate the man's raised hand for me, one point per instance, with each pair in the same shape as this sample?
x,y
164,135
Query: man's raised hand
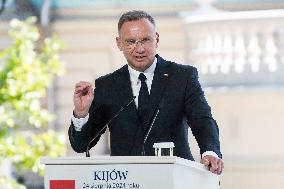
x,y
82,98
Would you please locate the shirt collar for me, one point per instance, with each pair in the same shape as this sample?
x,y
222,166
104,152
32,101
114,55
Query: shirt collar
x,y
134,74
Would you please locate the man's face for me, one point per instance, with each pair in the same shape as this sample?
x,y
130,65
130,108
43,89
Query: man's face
x,y
138,41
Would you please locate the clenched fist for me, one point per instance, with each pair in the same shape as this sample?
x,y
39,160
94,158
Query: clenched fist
x,y
82,98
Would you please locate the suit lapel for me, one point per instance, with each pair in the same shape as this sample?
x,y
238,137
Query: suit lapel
x,y
160,80
123,88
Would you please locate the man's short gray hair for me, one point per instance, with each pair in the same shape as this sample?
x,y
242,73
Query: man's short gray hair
x,y
133,16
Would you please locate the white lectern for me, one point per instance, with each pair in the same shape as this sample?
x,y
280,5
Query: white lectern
x,y
125,172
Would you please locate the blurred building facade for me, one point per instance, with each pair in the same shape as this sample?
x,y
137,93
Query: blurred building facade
x,y
239,55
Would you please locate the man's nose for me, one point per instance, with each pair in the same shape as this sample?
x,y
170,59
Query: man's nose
x,y
139,47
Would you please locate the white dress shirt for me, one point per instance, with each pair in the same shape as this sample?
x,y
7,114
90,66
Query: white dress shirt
x,y
135,85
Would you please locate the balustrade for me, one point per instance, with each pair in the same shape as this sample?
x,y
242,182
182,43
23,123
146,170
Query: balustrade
x,y
236,48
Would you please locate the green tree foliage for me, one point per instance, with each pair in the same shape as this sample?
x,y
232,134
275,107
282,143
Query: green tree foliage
x,y
25,74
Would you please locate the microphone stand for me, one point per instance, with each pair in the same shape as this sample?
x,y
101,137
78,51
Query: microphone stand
x,y
105,126
151,126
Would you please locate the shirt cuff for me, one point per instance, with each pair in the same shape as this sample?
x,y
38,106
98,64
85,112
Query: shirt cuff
x,y
79,122
210,153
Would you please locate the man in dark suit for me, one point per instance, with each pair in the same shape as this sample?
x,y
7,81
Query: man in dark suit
x,y
169,99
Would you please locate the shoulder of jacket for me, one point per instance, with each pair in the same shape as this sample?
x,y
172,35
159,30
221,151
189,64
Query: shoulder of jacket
x,y
111,76
175,65
182,67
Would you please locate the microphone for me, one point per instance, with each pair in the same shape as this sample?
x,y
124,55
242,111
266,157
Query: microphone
x,y
161,105
105,126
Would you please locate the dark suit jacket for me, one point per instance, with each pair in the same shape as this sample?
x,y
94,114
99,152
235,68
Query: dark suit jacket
x,y
184,105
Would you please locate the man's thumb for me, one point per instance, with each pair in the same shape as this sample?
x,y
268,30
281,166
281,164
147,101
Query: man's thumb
x,y
205,161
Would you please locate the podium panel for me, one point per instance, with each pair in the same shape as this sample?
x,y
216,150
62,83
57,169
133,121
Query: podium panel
x,y
125,172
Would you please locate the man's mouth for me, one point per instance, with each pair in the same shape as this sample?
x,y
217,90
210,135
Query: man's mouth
x,y
139,58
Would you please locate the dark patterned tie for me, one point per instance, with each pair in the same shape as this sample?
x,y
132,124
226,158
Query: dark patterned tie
x,y
143,98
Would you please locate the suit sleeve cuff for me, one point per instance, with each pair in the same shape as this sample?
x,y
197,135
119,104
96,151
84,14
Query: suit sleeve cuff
x,y
210,153
79,122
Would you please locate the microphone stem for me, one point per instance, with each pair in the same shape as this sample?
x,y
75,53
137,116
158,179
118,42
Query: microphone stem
x,y
143,153
150,128
105,126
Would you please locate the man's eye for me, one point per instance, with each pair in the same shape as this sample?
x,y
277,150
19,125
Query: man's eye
x,y
146,40
130,42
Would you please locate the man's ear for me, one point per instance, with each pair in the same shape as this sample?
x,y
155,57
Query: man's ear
x,y
119,43
157,39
